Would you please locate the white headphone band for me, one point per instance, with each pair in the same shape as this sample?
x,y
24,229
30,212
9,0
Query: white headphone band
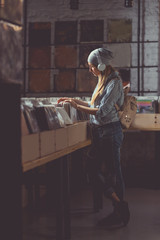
x,y
101,66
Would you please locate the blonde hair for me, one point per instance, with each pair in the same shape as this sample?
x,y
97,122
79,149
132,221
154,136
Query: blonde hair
x,y
102,79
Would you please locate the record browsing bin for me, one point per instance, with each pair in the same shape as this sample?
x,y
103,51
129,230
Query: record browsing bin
x,y
61,138
48,127
77,133
38,145
47,142
30,146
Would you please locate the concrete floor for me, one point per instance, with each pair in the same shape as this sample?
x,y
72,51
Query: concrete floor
x,y
144,223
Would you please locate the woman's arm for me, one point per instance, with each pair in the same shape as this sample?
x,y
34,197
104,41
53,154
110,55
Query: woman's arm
x,y
79,102
88,110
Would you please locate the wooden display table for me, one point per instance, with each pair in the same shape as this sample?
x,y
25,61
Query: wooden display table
x,y
41,161
142,122
62,192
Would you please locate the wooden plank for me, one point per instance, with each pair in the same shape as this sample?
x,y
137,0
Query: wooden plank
x,y
155,129
146,122
41,161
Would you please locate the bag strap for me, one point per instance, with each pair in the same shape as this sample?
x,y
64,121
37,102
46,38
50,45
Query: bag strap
x,y
117,107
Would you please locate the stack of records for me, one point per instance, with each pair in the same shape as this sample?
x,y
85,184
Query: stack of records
x,y
67,106
48,118
43,114
24,127
71,111
64,114
30,117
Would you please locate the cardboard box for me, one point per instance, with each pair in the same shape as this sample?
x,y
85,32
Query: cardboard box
x,y
30,147
77,133
61,138
146,121
47,142
24,128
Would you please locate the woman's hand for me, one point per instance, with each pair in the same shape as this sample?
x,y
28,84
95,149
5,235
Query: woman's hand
x,y
80,105
62,99
70,100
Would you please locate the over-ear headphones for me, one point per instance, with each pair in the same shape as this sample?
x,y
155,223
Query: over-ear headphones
x,y
101,66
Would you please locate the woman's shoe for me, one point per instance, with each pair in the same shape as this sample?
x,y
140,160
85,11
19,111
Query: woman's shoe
x,y
123,210
111,221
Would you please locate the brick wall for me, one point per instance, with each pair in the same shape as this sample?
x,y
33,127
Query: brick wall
x,y
106,23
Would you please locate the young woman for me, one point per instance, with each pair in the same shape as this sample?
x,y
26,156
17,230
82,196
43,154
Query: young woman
x,y
107,135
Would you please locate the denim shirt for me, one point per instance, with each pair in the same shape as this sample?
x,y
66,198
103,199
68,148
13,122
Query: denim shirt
x,y
111,95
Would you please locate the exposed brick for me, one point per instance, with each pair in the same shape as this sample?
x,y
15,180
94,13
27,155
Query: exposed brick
x,y
39,34
40,57
66,56
65,81
39,80
86,82
65,32
91,30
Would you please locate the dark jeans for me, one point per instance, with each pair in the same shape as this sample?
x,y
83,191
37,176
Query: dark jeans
x,y
104,164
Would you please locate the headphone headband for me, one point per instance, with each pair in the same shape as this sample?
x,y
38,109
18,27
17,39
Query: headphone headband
x,y
101,66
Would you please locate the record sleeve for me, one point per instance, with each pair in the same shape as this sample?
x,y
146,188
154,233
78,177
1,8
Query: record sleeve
x,y
47,117
65,116
31,120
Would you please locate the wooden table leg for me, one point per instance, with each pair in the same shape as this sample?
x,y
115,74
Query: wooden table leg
x,y
59,200
66,198
63,219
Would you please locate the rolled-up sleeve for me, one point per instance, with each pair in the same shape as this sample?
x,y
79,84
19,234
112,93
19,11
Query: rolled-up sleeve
x,y
108,100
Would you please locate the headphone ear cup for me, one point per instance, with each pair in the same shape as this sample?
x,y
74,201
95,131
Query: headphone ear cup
x,y
101,67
